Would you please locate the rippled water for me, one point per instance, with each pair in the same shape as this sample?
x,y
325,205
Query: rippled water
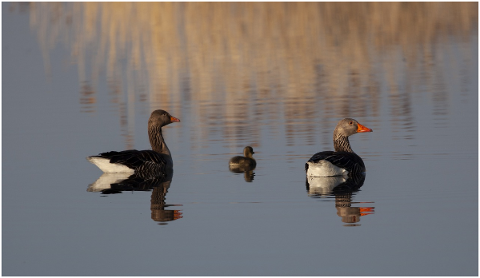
x,y
277,77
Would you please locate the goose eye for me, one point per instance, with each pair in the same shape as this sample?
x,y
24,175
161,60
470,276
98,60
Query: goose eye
x,y
351,122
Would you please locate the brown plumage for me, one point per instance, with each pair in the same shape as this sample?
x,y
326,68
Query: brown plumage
x,y
153,162
342,161
246,162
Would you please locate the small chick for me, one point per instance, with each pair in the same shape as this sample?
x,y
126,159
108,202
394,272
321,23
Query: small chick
x,y
243,163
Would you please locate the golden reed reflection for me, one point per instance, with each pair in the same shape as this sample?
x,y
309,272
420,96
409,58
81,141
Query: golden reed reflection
x,y
253,61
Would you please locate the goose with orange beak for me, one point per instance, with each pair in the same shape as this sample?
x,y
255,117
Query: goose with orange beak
x,y
343,161
146,163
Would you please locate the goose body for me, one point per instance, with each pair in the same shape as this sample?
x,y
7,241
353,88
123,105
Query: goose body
x,y
146,162
343,161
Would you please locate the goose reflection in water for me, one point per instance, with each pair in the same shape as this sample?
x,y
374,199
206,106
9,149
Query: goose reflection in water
x,y
244,164
343,189
112,183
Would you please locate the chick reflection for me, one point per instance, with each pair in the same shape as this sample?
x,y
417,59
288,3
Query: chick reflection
x,y
342,188
111,183
244,164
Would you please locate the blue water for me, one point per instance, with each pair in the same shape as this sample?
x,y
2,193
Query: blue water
x,y
416,213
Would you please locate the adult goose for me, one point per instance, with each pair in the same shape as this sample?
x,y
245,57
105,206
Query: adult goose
x,y
343,161
155,162
243,163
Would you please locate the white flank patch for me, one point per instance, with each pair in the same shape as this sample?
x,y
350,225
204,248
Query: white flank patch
x,y
324,168
107,167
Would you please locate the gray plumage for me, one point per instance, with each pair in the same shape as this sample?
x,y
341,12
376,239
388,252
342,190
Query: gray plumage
x,y
153,162
343,156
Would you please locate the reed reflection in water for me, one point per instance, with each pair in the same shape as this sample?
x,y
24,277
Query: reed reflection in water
x,y
237,63
279,80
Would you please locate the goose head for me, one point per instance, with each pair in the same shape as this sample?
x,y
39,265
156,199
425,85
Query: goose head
x,y
160,118
349,126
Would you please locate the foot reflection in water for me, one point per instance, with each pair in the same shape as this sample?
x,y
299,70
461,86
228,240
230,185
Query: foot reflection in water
x,y
112,183
343,189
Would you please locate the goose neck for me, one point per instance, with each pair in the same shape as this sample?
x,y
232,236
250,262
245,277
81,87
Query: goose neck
x,y
341,143
156,140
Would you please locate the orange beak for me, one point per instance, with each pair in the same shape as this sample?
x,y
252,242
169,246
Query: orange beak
x,y
173,119
362,128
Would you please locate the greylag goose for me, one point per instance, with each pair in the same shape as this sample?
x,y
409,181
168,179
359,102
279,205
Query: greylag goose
x,y
243,163
153,162
343,161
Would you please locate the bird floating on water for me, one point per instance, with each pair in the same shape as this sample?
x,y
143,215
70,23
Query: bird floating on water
x,y
154,162
343,161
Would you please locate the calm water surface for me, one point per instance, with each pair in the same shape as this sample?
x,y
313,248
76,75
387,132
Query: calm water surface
x,y
266,79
